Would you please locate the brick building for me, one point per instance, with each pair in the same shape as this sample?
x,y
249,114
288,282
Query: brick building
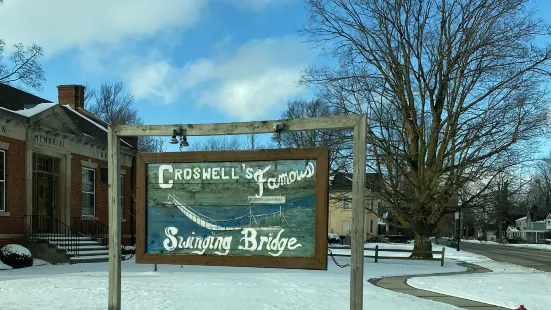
x,y
53,177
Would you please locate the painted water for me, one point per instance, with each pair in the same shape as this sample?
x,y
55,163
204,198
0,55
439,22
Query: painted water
x,y
298,221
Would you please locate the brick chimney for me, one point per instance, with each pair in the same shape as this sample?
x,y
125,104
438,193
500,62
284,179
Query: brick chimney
x,y
72,95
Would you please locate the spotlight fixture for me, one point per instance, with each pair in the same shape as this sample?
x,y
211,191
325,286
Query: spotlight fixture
x,y
176,132
173,140
278,128
184,142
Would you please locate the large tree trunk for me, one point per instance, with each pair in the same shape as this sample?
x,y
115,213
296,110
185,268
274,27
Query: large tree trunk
x,y
422,242
422,245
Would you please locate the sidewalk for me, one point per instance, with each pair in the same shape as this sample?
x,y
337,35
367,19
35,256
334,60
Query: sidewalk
x,y
399,284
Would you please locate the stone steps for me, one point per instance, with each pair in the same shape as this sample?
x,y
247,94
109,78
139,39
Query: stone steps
x,y
89,250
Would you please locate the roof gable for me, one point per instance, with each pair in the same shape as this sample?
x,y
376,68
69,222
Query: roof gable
x,y
536,216
89,126
52,116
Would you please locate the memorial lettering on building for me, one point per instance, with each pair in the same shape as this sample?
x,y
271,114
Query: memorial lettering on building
x,y
49,141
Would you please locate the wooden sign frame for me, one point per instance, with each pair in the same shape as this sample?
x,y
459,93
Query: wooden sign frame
x,y
318,261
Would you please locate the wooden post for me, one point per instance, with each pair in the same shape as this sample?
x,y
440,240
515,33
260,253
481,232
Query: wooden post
x,y
358,213
443,252
114,166
376,252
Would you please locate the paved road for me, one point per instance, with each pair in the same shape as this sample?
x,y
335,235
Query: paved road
x,y
537,259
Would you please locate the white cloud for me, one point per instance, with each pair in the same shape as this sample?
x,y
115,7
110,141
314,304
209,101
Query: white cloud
x,y
62,24
257,4
108,37
257,79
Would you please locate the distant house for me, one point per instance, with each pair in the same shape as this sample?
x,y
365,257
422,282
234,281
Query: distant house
x,y
513,232
535,227
340,203
521,225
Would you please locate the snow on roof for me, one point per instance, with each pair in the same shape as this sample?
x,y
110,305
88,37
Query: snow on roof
x,y
91,121
41,107
521,219
513,229
86,118
12,111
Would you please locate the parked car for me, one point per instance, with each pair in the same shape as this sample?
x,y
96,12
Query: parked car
x,y
452,242
334,238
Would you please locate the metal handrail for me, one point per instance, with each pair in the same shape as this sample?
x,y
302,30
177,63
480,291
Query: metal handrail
x,y
52,230
90,227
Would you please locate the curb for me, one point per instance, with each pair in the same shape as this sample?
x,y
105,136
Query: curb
x,y
522,247
399,284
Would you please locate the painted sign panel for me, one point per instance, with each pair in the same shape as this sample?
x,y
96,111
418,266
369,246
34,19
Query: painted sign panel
x,y
249,208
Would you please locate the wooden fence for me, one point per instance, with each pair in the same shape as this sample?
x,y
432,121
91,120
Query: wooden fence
x,y
377,256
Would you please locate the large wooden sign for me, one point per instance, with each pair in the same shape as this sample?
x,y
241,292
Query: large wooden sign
x,y
263,208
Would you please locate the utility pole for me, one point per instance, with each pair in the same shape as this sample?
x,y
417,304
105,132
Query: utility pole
x,y
458,227
498,212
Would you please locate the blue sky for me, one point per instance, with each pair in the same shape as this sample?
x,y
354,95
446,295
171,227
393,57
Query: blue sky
x,y
186,61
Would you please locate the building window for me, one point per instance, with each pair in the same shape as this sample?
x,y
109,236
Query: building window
x,y
121,186
370,226
371,204
88,192
3,181
346,205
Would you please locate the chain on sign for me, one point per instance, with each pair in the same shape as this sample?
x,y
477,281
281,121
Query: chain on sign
x,y
128,256
335,261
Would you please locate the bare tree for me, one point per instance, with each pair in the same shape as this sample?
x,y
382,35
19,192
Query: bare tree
x,y
454,91
115,106
21,67
339,146
217,144
252,142
539,191
230,143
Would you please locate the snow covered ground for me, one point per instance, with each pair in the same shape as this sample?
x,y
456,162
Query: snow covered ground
x,y
531,246
84,286
508,285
